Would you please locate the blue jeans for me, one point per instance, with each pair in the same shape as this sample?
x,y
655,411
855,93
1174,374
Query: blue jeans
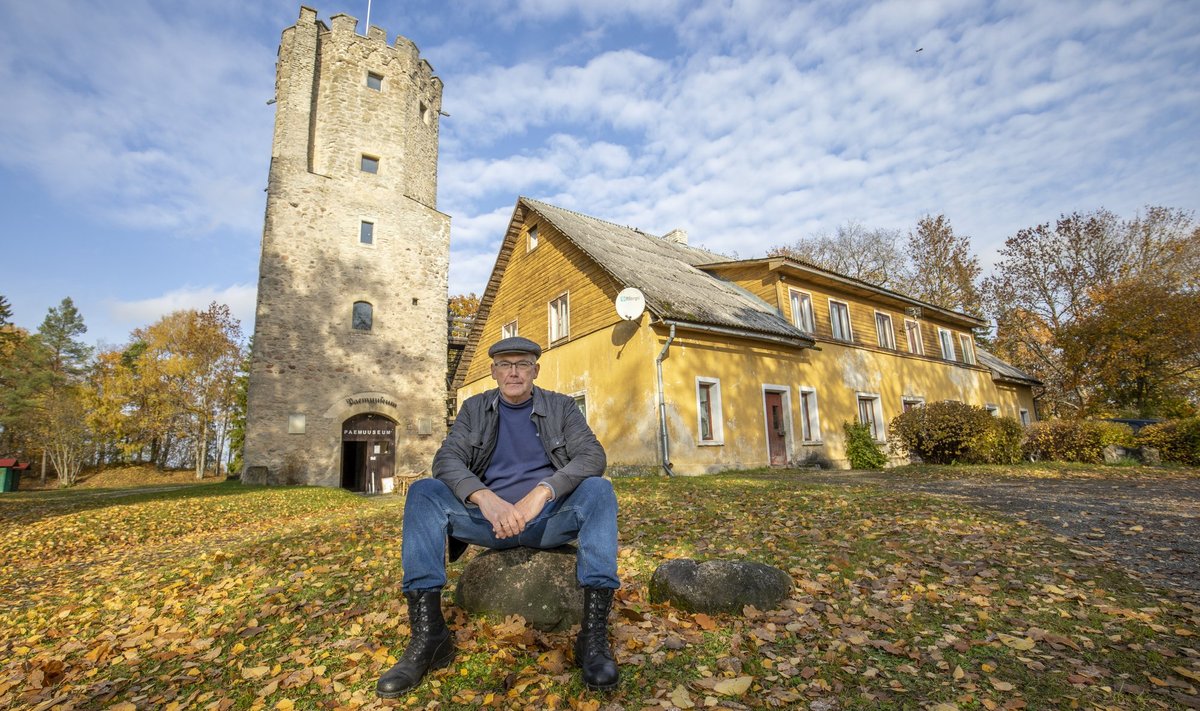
x,y
432,512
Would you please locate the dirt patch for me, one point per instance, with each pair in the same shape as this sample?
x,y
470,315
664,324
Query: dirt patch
x,y
1146,522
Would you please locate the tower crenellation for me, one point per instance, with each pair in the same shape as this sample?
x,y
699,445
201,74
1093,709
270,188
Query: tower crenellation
x,y
348,363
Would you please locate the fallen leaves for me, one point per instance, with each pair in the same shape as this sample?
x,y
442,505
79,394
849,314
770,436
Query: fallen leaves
x,y
290,598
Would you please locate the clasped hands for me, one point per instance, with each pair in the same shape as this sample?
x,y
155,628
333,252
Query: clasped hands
x,y
507,519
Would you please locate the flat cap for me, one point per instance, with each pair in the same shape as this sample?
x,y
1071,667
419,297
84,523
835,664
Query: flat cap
x,y
515,344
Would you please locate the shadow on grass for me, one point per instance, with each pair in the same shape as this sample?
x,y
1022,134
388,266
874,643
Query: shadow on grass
x,y
24,507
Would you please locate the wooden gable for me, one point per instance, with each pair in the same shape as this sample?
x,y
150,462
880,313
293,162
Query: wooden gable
x,y
526,280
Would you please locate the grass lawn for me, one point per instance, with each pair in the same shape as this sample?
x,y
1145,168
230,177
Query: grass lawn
x,y
220,596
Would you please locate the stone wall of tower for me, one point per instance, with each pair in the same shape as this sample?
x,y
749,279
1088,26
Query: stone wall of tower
x,y
310,369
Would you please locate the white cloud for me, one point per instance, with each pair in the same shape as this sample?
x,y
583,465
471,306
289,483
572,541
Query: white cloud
x,y
152,131
240,298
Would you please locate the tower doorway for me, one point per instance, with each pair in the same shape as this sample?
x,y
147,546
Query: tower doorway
x,y
368,453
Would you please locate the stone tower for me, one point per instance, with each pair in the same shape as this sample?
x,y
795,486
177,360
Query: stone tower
x,y
348,368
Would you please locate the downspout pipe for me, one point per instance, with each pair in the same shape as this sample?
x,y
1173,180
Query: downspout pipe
x,y
662,406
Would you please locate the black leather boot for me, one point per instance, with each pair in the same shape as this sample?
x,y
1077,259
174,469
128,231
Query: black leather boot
x,y
430,646
592,653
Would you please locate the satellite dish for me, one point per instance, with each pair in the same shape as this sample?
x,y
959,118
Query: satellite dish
x,y
630,304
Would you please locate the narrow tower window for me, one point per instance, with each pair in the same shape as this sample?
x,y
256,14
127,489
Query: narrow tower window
x,y
366,232
370,164
374,81
363,317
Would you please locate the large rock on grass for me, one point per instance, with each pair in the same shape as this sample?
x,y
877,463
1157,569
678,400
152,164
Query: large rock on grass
x,y
719,585
538,585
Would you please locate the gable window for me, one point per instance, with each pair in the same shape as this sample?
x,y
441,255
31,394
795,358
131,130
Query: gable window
x,y
366,232
532,242
369,164
883,329
708,410
802,313
362,317
810,421
560,318
374,81
870,413
968,348
509,329
839,320
912,329
947,340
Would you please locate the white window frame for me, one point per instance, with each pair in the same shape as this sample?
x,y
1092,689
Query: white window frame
x,y
559,328
1024,415
916,347
715,418
810,415
531,238
890,332
802,310
580,399
992,408
879,430
946,338
967,345
914,400
833,322
509,329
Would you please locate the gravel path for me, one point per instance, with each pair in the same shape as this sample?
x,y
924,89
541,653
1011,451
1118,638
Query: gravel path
x,y
1151,526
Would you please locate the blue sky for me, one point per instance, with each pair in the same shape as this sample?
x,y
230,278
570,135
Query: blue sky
x,y
135,136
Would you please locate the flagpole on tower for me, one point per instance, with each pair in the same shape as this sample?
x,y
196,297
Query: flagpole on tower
x,y
368,32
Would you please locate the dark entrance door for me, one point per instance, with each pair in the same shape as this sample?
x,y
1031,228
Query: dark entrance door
x,y
776,429
368,452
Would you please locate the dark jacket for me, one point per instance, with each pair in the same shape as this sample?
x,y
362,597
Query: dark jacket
x,y
467,450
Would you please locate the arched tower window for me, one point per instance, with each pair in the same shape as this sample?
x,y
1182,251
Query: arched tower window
x,y
363,316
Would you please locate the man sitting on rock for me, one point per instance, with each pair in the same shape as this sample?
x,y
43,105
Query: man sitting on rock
x,y
519,467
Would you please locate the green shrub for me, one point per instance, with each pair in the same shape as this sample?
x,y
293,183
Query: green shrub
x,y
999,444
1177,441
949,432
1117,433
1075,440
861,448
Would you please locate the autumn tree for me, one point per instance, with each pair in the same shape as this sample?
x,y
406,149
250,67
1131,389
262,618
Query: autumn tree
x,y
192,358
872,255
57,360
1060,297
461,310
944,270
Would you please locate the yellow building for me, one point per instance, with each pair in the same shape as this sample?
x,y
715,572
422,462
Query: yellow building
x,y
731,364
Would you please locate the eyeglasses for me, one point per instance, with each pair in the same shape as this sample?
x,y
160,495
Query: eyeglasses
x,y
523,366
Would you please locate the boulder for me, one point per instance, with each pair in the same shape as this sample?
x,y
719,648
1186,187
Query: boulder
x,y
1150,456
1114,453
719,585
539,585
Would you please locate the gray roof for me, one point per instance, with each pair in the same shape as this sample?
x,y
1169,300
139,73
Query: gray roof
x,y
1004,371
665,272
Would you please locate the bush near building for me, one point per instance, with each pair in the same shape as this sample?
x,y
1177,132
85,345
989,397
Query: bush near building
x,y
1075,440
953,432
861,448
1177,441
